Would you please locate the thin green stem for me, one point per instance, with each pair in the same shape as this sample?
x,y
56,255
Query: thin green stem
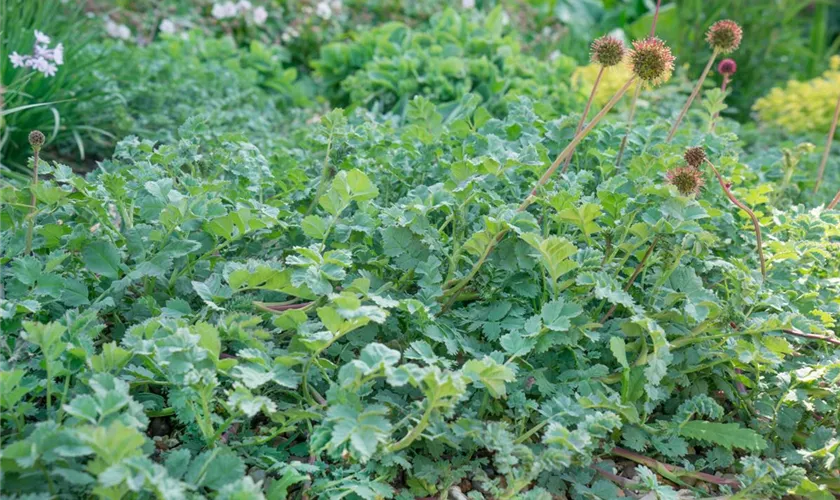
x,y
828,141
418,429
32,201
630,119
325,173
633,277
692,96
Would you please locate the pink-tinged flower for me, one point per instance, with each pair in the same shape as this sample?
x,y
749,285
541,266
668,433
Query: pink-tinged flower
x,y
41,38
725,36
168,27
607,51
651,60
18,61
727,67
687,180
260,15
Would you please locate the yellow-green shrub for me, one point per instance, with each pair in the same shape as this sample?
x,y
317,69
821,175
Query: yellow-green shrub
x,y
803,106
614,78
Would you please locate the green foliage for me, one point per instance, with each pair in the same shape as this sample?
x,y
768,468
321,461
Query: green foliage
x,y
275,300
384,68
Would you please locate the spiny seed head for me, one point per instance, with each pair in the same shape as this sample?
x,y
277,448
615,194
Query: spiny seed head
x,y
695,156
36,139
607,51
727,67
651,60
725,36
687,180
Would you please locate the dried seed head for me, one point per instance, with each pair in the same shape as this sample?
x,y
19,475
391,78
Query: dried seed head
x,y
651,60
725,36
727,67
607,51
36,139
695,156
688,180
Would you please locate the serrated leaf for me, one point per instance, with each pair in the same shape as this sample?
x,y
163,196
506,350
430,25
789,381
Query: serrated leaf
x,y
727,435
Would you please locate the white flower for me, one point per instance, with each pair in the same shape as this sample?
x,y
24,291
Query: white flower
x,y
224,10
42,65
260,15
115,30
323,10
18,61
167,26
468,4
58,54
41,38
243,6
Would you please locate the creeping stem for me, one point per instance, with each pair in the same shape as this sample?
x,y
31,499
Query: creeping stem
x,y
749,212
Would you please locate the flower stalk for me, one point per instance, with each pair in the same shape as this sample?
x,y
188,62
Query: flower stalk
x,y
827,150
724,37
606,51
36,140
693,96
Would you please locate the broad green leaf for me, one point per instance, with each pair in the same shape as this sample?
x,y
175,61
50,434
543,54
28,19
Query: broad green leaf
x,y
489,373
102,257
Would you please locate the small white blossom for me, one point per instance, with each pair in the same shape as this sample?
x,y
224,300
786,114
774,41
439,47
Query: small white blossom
x,y
224,10
18,61
41,38
323,10
168,27
468,4
58,54
260,15
119,31
42,56
243,6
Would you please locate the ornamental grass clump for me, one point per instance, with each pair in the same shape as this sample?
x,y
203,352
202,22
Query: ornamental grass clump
x,y
606,52
723,37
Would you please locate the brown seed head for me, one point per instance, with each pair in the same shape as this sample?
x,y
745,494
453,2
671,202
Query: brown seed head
x,y
607,51
695,156
36,139
725,36
651,60
688,180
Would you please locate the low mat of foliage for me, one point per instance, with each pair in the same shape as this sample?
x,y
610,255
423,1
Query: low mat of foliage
x,y
196,320
258,297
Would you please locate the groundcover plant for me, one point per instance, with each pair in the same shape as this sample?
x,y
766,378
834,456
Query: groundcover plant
x,y
410,298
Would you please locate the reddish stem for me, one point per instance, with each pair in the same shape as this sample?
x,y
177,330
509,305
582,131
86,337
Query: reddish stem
x,y
828,147
655,18
749,212
585,113
657,465
797,333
